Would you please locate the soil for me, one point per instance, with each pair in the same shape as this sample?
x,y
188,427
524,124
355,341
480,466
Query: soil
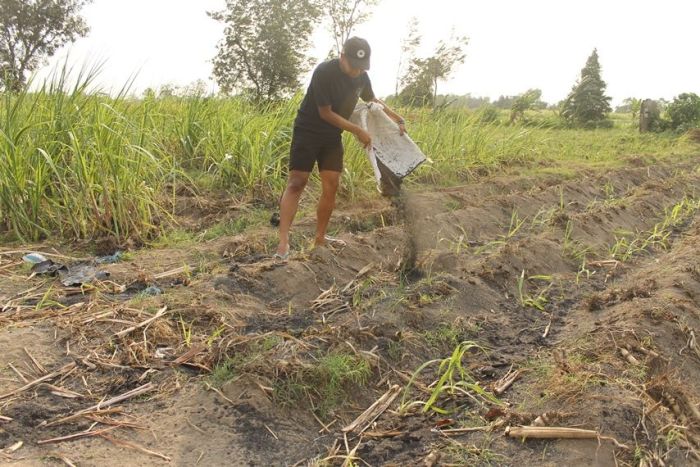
x,y
589,285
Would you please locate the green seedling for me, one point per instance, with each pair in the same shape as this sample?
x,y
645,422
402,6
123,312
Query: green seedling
x,y
215,335
454,379
458,244
537,301
573,248
630,244
186,330
515,224
47,302
583,271
513,228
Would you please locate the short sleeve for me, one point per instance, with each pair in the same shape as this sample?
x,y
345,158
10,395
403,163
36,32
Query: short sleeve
x,y
367,94
321,87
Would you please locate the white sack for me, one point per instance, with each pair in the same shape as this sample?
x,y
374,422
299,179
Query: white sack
x,y
398,153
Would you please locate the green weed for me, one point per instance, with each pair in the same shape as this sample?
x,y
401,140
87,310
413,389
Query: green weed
x,y
534,301
453,379
328,381
628,244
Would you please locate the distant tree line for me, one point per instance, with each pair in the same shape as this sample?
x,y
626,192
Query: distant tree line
x,y
264,52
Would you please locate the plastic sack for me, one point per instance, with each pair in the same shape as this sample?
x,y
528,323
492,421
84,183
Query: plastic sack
x,y
392,156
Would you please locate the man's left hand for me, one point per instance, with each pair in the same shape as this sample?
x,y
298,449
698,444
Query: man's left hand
x,y
402,128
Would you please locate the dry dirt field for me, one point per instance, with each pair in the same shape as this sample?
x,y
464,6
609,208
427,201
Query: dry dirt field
x,y
585,289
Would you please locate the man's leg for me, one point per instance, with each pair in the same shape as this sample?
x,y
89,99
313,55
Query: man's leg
x,y
288,206
330,180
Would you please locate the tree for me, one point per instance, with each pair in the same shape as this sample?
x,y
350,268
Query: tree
x,y
587,105
630,105
684,111
344,15
32,31
461,101
504,102
264,47
409,45
524,102
421,79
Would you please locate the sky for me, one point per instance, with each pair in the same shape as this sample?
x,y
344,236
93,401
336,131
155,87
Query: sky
x,y
647,49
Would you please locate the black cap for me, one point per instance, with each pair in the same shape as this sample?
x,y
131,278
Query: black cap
x,y
357,52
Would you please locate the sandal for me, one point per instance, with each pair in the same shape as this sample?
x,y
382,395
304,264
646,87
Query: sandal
x,y
281,257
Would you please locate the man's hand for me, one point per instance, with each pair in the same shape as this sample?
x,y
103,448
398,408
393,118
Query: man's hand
x,y
402,128
364,137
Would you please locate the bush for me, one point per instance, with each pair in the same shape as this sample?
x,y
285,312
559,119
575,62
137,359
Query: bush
x,y
684,112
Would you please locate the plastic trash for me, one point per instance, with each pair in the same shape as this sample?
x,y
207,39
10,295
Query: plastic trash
x,y
79,274
47,267
34,258
151,291
110,259
71,275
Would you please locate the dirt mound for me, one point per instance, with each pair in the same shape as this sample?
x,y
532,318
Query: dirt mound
x,y
550,300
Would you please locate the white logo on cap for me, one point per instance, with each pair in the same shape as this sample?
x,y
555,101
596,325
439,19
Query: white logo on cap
x,y
360,53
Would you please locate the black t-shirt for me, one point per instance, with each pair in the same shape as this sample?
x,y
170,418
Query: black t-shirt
x,y
330,86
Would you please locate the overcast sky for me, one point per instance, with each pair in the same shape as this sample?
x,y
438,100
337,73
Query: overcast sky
x,y
646,48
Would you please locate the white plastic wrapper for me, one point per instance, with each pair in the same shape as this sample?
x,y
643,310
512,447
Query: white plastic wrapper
x,y
397,153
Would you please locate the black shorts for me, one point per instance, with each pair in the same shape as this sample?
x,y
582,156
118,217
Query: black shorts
x,y
308,148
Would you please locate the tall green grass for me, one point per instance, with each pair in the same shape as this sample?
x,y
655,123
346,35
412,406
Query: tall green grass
x,y
75,164
79,164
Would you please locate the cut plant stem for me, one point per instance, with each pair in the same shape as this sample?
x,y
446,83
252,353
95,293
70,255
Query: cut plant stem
x,y
374,410
629,357
544,432
507,381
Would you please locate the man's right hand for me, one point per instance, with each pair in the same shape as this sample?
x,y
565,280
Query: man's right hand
x,y
364,138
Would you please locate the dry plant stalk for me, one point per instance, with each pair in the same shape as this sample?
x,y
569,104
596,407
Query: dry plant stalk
x,y
101,405
542,420
628,356
548,327
82,434
382,434
14,447
350,457
35,362
126,331
52,375
609,262
175,272
459,431
506,381
129,444
553,432
63,459
374,411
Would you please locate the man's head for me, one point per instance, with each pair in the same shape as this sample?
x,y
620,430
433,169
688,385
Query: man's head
x,y
355,56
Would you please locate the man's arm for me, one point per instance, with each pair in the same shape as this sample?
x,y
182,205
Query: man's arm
x,y
392,115
327,114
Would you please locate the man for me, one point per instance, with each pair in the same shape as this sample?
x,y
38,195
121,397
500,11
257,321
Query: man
x,y
330,100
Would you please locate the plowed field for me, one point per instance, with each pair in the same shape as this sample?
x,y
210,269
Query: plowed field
x,y
584,287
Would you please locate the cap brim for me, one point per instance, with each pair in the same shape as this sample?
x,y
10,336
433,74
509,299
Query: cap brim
x,y
361,64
